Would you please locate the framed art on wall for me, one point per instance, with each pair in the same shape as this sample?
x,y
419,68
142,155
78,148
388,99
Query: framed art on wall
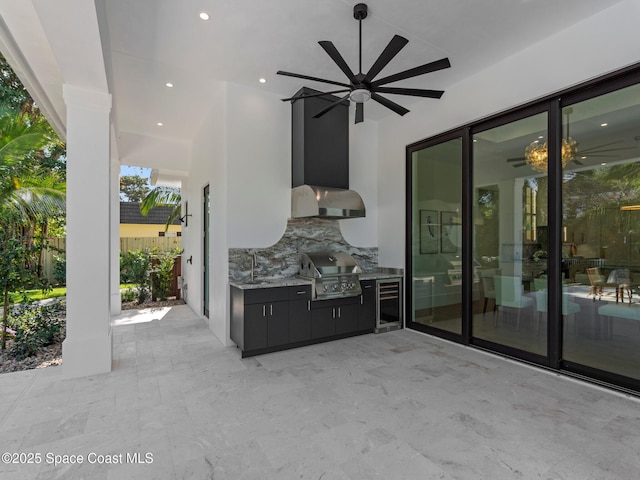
x,y
429,231
450,232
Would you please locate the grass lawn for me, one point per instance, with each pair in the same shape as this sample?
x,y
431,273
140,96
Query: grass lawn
x,y
35,295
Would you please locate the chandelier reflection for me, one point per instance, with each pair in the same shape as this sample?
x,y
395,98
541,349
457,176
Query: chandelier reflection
x,y
537,155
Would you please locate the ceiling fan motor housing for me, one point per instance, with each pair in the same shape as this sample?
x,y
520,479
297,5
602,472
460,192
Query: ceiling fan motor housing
x,y
360,11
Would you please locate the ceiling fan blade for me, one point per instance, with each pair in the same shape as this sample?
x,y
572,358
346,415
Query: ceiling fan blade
x,y
416,92
516,165
330,107
359,112
577,162
592,150
391,50
315,79
315,95
389,104
414,72
330,48
516,159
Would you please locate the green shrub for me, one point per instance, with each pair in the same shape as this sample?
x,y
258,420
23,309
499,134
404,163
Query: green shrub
x,y
134,268
60,270
36,326
161,276
127,295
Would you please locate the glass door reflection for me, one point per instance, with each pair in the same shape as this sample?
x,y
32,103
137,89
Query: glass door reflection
x,y
510,234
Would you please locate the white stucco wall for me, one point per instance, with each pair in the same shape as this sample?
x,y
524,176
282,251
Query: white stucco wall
x,y
209,167
259,167
363,178
243,151
593,47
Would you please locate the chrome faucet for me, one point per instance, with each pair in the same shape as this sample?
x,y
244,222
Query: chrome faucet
x,y
254,264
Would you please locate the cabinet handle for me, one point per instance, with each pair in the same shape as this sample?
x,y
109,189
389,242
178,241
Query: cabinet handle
x,y
333,312
309,305
264,310
271,310
361,299
339,308
367,286
301,293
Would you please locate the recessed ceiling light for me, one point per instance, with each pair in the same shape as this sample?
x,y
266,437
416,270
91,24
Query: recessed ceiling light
x,y
263,80
541,137
204,15
604,124
583,158
159,124
603,164
169,84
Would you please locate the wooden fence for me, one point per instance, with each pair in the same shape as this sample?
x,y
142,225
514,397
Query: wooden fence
x,y
162,244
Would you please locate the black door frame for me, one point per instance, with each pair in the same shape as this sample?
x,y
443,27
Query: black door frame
x,y
553,105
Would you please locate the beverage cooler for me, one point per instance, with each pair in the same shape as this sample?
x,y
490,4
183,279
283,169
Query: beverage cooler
x,y
389,296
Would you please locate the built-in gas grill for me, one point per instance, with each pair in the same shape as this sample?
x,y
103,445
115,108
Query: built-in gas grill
x,y
333,274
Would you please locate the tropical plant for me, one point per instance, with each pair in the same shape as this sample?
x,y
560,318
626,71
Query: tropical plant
x,y
27,197
135,267
162,276
163,197
14,274
37,326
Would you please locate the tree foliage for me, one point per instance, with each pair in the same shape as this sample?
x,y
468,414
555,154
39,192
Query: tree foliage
x,y
133,188
163,197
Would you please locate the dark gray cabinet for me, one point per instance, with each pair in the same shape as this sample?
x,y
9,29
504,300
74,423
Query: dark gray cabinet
x,y
259,317
334,317
274,318
300,314
367,311
347,319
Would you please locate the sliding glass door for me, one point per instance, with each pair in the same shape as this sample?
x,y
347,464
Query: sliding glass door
x,y
510,234
436,225
523,232
601,228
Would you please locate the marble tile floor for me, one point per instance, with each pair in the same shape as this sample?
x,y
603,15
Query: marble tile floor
x,y
399,405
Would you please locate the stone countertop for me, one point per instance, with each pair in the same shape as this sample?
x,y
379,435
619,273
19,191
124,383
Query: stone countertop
x,y
271,283
294,281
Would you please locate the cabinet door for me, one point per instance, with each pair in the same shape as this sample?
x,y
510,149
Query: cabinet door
x,y
367,310
323,322
255,326
299,320
277,323
347,319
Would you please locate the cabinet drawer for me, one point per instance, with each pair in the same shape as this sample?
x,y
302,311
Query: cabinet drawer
x,y
300,292
265,295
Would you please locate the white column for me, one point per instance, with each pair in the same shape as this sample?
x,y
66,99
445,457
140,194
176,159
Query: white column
x,y
116,303
87,347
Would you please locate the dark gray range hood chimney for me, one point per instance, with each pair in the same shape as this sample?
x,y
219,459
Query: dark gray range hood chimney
x,y
320,160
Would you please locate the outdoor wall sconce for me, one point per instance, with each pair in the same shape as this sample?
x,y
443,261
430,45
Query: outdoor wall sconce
x,y
185,218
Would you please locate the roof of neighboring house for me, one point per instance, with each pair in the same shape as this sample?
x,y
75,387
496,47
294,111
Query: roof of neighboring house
x,y
130,213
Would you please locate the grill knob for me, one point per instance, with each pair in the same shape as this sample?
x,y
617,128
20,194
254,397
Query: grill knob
x,y
324,287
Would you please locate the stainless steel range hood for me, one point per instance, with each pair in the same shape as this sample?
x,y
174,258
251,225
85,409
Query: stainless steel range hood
x,y
320,160
325,202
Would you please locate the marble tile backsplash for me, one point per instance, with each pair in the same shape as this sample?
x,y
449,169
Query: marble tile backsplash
x,y
301,235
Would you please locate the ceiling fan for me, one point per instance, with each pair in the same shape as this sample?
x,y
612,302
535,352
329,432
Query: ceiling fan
x,y
362,87
570,150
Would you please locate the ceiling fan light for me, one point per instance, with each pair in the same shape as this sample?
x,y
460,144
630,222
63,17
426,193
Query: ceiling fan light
x,y
360,95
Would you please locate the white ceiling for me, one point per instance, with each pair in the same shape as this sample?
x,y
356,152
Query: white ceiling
x,y
151,42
